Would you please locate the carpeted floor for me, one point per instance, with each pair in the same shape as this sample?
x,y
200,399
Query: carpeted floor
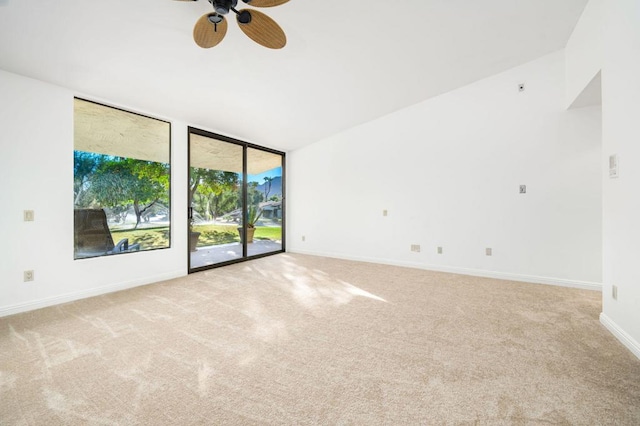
x,y
294,339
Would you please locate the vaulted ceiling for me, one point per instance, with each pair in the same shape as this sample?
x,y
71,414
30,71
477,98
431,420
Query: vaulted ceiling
x,y
345,62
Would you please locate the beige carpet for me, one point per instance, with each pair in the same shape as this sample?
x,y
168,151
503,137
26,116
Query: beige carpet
x,y
294,339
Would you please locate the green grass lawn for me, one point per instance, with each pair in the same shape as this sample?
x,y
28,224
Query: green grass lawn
x,y
153,238
149,238
224,234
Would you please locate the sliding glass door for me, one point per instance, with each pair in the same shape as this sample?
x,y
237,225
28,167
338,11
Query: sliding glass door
x,y
264,202
236,200
215,196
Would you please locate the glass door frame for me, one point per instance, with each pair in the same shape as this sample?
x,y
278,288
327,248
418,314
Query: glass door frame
x,y
245,147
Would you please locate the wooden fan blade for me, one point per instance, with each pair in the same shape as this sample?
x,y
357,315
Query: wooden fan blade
x,y
265,3
263,30
206,34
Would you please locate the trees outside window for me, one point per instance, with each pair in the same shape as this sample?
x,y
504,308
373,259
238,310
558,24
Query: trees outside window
x,y
121,178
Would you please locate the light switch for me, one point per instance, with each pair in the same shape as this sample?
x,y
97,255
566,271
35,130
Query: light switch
x,y
29,216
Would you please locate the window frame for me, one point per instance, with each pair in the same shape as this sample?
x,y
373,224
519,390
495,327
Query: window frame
x,y
168,174
245,147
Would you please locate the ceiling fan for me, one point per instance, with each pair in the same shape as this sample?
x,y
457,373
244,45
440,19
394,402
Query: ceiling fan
x,y
211,28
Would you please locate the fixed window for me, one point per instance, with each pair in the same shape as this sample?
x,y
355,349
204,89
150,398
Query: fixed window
x,y
121,185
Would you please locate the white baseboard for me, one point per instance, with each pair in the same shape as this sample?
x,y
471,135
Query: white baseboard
x,y
70,297
620,334
83,294
561,282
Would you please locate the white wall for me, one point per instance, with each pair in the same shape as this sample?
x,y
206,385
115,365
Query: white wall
x,y
36,169
448,171
583,52
621,136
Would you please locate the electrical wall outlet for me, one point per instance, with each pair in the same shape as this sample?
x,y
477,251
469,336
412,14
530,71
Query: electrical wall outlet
x,y
488,251
29,216
614,292
523,189
384,212
415,247
439,250
28,276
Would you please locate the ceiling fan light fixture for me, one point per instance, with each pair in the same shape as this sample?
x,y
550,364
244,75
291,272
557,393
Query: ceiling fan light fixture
x,y
215,18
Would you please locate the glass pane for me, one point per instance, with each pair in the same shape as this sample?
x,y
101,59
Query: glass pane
x,y
215,190
264,198
121,181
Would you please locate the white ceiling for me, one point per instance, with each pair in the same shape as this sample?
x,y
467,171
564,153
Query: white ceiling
x,y
346,62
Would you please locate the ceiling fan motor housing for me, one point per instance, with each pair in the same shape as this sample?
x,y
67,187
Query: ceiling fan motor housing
x,y
223,6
